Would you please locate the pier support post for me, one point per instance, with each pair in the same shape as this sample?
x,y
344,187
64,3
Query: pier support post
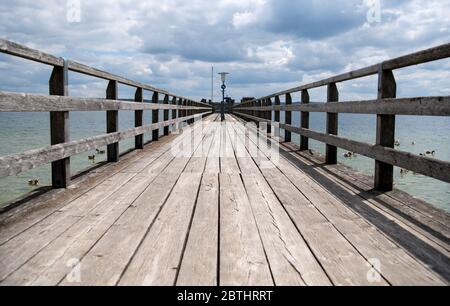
x,y
112,122
138,119
269,117
277,115
304,141
155,116
288,134
166,115
387,88
332,124
59,126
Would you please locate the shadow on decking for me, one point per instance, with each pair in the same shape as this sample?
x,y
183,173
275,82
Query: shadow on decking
x,y
420,250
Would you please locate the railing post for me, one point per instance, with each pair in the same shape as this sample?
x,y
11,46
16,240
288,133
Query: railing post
x,y
253,111
138,119
332,124
166,115
59,126
183,113
112,122
179,114
187,113
258,113
304,141
155,116
174,113
288,134
277,114
269,117
387,88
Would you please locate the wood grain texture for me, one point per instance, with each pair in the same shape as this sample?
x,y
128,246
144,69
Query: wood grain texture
x,y
159,217
242,258
427,166
199,265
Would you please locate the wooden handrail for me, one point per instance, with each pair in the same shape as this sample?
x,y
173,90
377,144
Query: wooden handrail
x,y
422,106
386,107
421,57
23,102
17,163
423,165
11,48
59,104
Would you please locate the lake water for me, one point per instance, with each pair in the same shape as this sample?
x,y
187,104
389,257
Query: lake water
x,y
24,131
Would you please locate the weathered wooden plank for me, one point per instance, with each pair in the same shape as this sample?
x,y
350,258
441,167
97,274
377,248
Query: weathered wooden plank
x,y
24,102
200,259
326,246
418,215
23,217
373,245
427,166
157,260
401,231
59,126
391,257
398,267
385,134
291,261
50,265
105,263
242,258
15,49
19,250
421,57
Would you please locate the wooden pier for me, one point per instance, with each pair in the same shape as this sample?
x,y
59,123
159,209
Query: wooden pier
x,y
223,203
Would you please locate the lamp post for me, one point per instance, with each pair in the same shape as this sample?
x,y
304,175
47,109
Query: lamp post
x,y
223,76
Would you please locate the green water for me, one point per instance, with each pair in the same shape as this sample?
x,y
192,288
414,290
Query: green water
x,y
24,131
20,132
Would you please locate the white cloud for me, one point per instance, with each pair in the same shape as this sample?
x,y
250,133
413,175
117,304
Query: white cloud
x,y
267,45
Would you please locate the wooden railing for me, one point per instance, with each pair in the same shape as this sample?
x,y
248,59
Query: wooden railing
x,y
59,104
386,107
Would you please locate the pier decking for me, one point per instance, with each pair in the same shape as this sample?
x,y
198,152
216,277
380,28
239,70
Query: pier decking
x,y
223,203
220,211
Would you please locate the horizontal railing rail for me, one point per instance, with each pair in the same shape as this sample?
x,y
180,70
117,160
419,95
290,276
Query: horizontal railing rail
x,y
22,102
386,107
422,57
18,50
17,163
58,103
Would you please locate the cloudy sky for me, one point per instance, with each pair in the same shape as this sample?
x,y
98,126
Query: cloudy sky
x,y
266,45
